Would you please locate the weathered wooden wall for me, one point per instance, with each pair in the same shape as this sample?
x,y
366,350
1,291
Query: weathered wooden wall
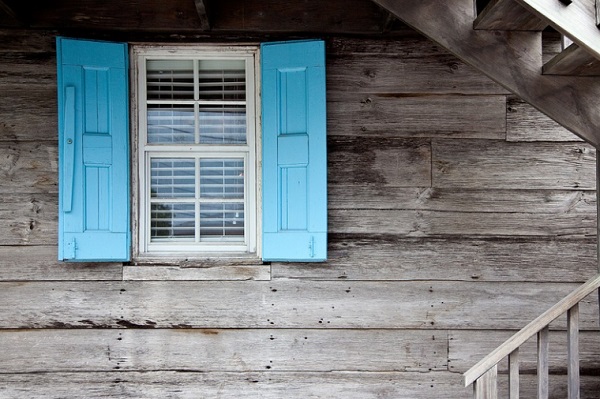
x,y
457,214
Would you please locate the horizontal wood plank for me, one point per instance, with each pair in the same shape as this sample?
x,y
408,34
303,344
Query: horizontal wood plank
x,y
348,16
177,15
28,70
409,223
223,350
217,272
410,115
467,348
33,262
27,115
525,123
28,167
282,304
33,41
28,219
479,164
382,161
406,64
263,385
390,258
394,196
223,385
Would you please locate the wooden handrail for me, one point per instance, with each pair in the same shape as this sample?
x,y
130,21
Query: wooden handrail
x,y
530,330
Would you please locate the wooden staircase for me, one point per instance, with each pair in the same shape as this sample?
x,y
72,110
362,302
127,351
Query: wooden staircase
x,y
504,41
483,375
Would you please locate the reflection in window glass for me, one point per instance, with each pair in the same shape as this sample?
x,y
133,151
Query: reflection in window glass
x,y
172,178
222,178
172,221
221,220
170,80
172,124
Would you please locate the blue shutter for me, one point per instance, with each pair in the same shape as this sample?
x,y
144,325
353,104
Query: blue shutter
x,y
93,151
294,151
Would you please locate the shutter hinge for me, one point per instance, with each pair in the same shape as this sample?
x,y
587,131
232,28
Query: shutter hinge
x,y
71,249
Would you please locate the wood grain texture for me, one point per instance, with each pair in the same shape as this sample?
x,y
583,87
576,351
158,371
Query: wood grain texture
x,y
399,115
28,167
577,21
407,63
525,123
263,385
33,262
236,350
35,71
468,347
573,61
380,161
217,272
408,223
478,164
28,114
152,15
31,41
389,258
512,59
337,16
540,326
282,304
394,196
202,8
507,15
223,385
28,219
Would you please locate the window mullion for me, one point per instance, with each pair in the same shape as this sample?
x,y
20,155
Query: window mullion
x,y
197,201
196,105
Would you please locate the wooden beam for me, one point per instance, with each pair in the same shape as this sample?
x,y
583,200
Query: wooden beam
x,y
202,9
7,9
507,15
598,13
573,61
513,59
577,20
388,22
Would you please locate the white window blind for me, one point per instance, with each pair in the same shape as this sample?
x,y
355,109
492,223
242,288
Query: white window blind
x,y
197,156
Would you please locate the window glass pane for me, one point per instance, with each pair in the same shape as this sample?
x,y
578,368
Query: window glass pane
x,y
222,80
222,220
170,80
223,124
172,221
169,123
172,178
222,178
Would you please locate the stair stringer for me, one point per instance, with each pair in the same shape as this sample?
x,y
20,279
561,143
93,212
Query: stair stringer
x,y
511,58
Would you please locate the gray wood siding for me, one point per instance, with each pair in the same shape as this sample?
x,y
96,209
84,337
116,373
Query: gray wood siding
x,y
457,214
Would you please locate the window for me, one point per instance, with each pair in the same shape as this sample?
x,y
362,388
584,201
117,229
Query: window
x,y
197,189
196,150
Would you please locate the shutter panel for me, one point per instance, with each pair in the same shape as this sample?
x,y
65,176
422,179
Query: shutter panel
x,y
93,151
294,151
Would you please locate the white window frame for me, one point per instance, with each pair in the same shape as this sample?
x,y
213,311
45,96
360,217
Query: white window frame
x,y
143,248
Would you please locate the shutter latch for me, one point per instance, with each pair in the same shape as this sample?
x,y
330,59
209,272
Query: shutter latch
x,y
311,246
71,249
